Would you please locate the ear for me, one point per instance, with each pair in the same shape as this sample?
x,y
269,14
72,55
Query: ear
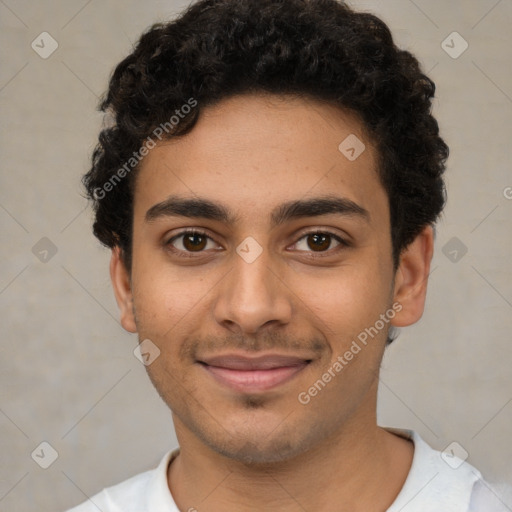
x,y
411,278
122,289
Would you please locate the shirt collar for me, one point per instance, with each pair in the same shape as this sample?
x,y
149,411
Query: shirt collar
x,y
431,481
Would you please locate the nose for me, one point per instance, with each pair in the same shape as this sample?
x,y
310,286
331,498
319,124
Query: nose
x,y
253,297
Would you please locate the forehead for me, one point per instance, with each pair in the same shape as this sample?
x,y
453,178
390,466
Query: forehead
x,y
254,152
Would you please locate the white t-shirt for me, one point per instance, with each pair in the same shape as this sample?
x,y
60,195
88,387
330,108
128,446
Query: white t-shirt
x,y
432,485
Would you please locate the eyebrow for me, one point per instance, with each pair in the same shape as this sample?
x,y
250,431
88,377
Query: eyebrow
x,y
202,208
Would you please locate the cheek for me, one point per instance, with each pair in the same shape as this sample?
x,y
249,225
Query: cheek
x,y
167,302
345,300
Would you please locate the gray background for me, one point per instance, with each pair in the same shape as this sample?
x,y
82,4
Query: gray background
x,y
68,373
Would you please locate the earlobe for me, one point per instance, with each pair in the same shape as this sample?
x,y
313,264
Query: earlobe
x,y
412,278
122,290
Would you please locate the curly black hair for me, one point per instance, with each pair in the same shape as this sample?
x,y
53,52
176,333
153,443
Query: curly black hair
x,y
319,49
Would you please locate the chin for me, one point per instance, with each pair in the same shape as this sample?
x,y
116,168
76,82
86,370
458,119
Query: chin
x,y
259,440
254,452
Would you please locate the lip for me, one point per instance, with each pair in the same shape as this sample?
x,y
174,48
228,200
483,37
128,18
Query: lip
x,y
253,374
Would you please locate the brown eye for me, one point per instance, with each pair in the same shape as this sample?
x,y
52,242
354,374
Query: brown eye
x,y
319,241
189,242
194,242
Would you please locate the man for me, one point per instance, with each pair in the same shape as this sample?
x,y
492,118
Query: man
x,y
268,184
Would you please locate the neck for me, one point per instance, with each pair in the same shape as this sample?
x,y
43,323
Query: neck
x,y
360,467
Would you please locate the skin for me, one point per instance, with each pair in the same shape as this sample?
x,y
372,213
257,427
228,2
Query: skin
x,y
256,451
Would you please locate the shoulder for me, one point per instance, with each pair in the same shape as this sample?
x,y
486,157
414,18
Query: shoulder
x,y
491,497
137,494
436,480
127,494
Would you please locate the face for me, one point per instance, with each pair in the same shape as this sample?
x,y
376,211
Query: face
x,y
261,254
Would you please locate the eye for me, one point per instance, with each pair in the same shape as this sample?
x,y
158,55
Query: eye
x,y
319,242
191,241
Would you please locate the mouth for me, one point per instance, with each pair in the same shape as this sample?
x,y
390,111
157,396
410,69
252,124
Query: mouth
x,y
253,374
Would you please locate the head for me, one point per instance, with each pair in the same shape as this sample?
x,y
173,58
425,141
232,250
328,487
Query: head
x,y
296,142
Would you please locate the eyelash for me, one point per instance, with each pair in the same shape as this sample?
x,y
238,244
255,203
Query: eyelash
x,y
190,254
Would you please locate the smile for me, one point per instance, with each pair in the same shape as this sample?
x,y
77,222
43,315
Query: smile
x,y
249,375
